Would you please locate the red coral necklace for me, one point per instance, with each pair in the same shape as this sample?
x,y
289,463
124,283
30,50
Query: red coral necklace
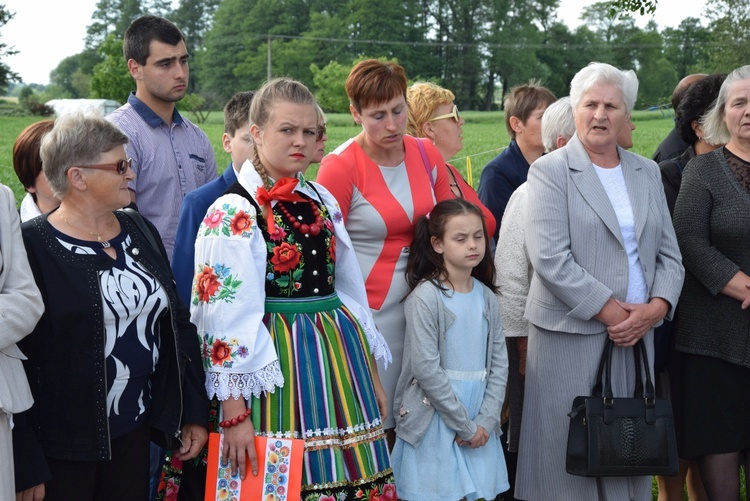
x,y
312,228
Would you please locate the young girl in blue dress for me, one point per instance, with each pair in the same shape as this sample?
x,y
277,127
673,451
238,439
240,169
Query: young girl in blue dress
x,y
450,392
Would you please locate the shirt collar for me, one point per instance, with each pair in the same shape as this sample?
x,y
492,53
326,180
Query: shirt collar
x,y
148,115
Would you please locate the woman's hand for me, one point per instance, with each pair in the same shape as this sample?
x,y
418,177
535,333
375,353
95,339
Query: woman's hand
x,y
739,288
35,493
380,394
612,313
239,440
478,440
193,438
641,319
381,397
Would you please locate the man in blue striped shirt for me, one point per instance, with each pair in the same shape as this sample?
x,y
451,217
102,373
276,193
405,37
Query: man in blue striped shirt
x,y
171,155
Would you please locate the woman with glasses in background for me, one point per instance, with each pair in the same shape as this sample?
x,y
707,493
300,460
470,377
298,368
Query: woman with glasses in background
x,y
114,361
433,115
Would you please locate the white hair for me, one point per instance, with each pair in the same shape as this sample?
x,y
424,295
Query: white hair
x,y
557,121
603,73
715,130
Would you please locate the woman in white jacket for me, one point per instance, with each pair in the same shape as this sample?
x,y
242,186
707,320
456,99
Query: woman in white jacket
x,y
20,309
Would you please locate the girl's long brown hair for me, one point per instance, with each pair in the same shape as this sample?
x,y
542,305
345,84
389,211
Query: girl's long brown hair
x,y
426,264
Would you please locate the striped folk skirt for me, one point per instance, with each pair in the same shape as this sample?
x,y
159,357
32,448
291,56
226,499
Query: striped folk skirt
x,y
327,399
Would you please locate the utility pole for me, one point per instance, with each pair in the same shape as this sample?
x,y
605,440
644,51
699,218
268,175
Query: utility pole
x,y
268,60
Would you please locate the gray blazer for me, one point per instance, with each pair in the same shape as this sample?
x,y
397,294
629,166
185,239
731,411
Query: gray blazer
x,y
423,386
20,307
575,244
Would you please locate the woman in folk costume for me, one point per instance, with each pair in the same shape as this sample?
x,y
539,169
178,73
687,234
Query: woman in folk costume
x,y
289,344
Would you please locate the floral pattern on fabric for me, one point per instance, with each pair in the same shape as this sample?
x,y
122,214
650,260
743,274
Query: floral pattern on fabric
x,y
286,264
220,352
228,221
214,283
171,479
383,489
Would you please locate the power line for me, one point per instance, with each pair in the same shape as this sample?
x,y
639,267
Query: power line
x,y
487,45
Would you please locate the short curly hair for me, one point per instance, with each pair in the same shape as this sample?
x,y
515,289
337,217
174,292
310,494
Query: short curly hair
x,y
423,99
694,104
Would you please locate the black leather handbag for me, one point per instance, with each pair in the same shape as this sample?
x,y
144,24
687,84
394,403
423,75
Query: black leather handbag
x,y
612,436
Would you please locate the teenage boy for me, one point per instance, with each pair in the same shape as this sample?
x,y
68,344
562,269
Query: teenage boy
x,y
238,142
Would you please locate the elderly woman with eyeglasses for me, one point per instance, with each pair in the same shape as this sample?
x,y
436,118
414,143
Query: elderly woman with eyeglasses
x,y
114,360
434,115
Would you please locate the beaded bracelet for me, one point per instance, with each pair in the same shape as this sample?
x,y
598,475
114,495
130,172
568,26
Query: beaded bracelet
x,y
235,421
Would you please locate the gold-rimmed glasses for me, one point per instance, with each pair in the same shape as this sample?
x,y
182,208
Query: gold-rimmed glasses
x,y
453,114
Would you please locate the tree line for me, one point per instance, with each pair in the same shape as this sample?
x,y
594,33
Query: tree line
x,y
477,48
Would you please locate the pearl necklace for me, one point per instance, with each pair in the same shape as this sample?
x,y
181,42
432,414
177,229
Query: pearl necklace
x,y
105,243
312,228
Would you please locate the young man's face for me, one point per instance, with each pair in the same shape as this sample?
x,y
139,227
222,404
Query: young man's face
x,y
240,146
164,77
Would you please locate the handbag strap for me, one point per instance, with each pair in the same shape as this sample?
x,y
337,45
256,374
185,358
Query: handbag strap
x,y
138,220
640,353
597,391
426,162
603,385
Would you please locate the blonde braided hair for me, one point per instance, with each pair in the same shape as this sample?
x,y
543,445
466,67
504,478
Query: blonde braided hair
x,y
272,92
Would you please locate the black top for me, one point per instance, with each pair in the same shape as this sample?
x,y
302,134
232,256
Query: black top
x,y
711,220
671,176
299,264
66,352
672,147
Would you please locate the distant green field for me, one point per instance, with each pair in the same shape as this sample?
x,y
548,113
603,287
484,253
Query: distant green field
x,y
484,138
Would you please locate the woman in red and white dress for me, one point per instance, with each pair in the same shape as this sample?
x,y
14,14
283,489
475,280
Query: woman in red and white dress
x,y
384,180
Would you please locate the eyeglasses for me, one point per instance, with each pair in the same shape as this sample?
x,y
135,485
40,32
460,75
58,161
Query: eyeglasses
x,y
453,114
121,166
321,132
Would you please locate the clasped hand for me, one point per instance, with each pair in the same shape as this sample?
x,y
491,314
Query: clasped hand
x,y
478,440
639,319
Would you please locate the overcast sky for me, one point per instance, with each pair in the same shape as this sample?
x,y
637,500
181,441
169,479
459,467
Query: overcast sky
x,y
47,31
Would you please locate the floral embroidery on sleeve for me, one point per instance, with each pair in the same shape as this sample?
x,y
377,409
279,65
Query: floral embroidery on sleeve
x,y
220,352
227,220
214,283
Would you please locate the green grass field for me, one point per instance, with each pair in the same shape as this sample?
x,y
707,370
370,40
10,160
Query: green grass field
x,y
484,138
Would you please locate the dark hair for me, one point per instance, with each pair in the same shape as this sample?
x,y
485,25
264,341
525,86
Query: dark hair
x,y
695,102
373,82
426,264
237,111
682,86
26,159
522,100
143,31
